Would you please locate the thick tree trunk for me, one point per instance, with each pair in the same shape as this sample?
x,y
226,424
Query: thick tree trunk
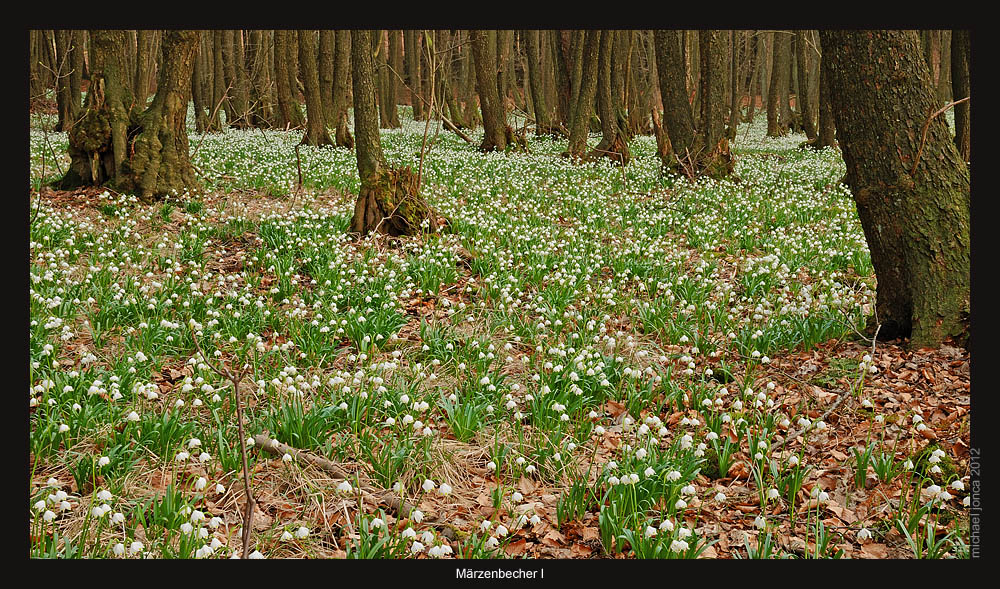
x,y
960,59
676,108
912,195
220,93
388,201
316,133
580,128
143,153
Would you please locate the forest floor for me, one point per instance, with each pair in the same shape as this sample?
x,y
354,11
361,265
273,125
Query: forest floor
x,y
585,363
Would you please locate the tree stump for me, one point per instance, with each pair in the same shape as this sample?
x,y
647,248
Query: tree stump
x,y
389,203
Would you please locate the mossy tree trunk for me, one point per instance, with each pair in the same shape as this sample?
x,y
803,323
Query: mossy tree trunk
x,y
341,82
912,196
388,201
316,133
144,153
960,54
678,119
97,142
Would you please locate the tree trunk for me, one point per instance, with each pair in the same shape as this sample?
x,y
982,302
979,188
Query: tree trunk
x,y
676,108
143,153
543,125
912,196
585,100
241,85
713,156
563,84
326,44
260,105
827,125
777,119
495,129
224,40
411,42
219,91
392,86
316,133
341,81
613,144
289,114
944,78
388,201
960,59
803,99
197,96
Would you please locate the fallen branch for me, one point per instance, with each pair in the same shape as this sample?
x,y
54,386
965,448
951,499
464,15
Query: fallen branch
x,y
401,508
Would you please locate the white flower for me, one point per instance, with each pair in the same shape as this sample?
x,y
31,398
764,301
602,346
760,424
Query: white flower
x,y
444,489
256,555
772,494
104,495
287,457
220,489
720,497
759,522
650,531
377,523
182,456
63,428
409,533
187,528
344,487
681,504
103,461
286,536
135,547
650,471
417,515
200,484
678,546
118,549
957,485
501,530
48,515
864,534
667,525
302,532
428,485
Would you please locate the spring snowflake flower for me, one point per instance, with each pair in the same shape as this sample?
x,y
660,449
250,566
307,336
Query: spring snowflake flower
x,y
343,487
103,461
136,547
444,489
200,484
416,515
48,516
428,485
302,532
678,546
118,549
759,522
720,497
104,495
63,428
864,534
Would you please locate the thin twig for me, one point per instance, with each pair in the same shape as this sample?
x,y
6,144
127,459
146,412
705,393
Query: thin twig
x,y
927,125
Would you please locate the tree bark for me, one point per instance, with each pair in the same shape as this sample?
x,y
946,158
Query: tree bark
x,y
197,96
289,114
388,201
613,144
777,119
912,195
827,124
585,100
713,157
392,84
326,48
960,60
543,124
143,152
496,133
676,108
803,99
411,42
316,133
341,82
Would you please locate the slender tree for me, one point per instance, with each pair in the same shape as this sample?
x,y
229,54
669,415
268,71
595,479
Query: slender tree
x,y
803,100
909,181
289,114
341,83
580,126
497,134
613,143
778,122
316,133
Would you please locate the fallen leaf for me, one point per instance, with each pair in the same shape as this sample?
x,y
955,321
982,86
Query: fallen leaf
x,y
874,551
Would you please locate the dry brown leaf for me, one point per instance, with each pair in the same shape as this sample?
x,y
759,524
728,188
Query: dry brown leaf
x,y
874,551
